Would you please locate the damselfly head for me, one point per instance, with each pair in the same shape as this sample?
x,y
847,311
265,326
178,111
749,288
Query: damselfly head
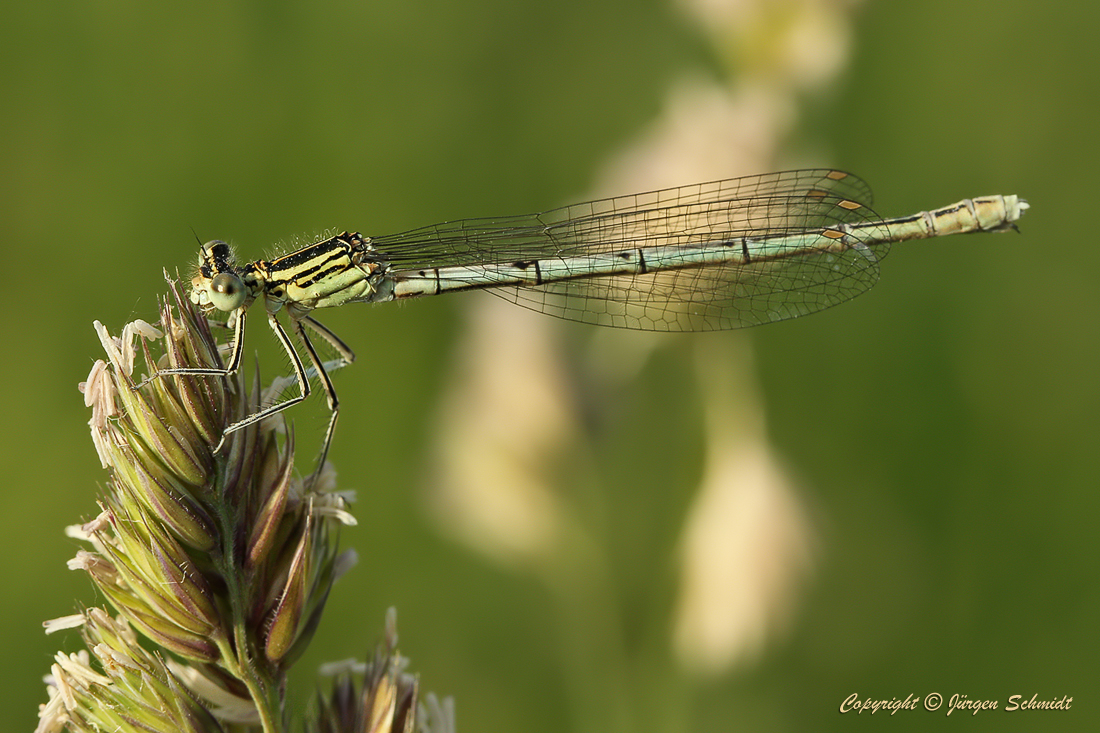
x,y
217,284
216,256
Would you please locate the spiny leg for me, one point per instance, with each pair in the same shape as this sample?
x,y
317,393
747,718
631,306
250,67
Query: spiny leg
x,y
234,361
335,341
326,381
299,374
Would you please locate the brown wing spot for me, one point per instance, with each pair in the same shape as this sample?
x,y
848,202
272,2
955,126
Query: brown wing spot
x,y
816,194
836,175
833,233
849,205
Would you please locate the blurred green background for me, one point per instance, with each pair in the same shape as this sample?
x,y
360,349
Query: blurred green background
x,y
944,426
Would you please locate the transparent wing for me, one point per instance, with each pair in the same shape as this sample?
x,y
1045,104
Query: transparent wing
x,y
690,298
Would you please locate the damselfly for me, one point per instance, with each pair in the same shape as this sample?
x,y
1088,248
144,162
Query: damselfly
x,y
718,255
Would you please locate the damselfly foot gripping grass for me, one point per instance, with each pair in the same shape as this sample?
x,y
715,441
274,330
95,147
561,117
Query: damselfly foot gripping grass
x,y
718,255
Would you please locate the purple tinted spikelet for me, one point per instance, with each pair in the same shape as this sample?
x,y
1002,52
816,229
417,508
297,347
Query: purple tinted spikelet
x,y
216,557
211,550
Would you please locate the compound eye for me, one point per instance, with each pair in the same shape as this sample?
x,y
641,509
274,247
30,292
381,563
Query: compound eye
x,y
227,292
